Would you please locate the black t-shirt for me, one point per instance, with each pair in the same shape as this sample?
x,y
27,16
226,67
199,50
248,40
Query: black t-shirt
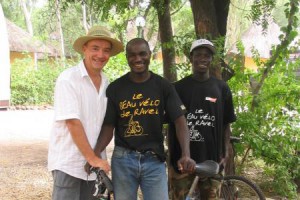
x,y
136,110
209,107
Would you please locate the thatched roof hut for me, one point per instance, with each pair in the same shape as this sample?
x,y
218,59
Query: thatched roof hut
x,y
22,41
262,41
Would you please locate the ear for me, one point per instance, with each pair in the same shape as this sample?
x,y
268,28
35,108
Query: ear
x,y
84,48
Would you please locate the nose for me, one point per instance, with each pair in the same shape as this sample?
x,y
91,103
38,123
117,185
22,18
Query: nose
x,y
203,59
136,59
100,53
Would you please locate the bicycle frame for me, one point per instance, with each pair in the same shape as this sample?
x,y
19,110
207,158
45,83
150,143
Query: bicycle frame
x,y
208,168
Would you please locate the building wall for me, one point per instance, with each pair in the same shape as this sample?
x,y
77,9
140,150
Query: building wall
x,y
250,64
19,55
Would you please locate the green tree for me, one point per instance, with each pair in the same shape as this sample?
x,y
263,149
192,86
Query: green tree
x,y
268,108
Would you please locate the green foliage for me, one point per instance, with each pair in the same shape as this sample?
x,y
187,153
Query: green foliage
x,y
261,11
283,184
45,25
270,127
117,66
13,11
279,14
268,110
33,86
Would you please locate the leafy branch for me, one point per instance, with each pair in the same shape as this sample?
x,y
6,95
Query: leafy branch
x,y
282,47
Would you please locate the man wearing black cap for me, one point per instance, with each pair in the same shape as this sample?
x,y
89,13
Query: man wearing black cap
x,y
210,111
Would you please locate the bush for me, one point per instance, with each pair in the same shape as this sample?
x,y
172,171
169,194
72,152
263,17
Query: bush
x,y
33,85
270,125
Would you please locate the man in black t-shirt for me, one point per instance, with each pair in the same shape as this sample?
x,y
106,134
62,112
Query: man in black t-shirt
x,y
209,113
135,111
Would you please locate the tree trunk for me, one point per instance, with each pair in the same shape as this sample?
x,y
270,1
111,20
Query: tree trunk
x,y
166,35
210,20
205,19
230,165
60,29
27,13
84,18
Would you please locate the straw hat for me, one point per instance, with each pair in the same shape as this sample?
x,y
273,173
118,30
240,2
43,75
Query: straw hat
x,y
203,43
98,32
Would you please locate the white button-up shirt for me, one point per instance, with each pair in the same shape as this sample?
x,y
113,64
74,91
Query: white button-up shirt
x,y
76,97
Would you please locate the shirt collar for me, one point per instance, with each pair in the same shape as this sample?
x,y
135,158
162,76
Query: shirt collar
x,y
82,69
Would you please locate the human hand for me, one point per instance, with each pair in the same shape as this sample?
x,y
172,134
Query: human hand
x,y
87,168
97,163
186,164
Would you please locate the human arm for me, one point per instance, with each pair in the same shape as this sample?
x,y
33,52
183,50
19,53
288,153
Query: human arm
x,y
225,156
80,139
185,163
103,140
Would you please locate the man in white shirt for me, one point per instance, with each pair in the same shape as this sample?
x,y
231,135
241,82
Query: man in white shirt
x,y
80,105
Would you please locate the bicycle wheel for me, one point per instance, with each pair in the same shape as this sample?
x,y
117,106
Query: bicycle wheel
x,y
238,187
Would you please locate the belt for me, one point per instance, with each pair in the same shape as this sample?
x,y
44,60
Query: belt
x,y
145,152
137,151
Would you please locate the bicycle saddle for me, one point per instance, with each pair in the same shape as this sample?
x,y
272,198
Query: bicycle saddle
x,y
207,168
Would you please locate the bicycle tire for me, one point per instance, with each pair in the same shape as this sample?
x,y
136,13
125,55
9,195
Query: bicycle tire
x,y
238,187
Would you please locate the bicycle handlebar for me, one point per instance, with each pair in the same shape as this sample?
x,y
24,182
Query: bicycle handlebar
x,y
102,179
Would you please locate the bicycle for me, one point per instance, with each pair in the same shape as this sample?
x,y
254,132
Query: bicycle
x,y
233,187
103,188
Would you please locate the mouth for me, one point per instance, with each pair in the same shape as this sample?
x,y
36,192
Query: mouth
x,y
202,66
139,65
98,62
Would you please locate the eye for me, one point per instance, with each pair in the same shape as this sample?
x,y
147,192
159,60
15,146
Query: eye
x,y
107,50
130,55
94,49
143,53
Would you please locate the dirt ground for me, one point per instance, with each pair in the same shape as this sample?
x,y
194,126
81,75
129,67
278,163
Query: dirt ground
x,y
23,154
23,171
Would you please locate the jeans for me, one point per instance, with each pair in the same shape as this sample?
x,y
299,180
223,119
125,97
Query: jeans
x,y
131,169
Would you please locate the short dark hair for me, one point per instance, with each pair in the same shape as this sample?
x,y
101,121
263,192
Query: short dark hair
x,y
135,41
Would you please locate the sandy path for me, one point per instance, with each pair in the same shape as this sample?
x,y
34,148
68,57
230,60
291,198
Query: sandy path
x,y
23,154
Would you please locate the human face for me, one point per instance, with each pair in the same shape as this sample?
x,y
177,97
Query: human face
x,y
201,59
96,54
138,57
